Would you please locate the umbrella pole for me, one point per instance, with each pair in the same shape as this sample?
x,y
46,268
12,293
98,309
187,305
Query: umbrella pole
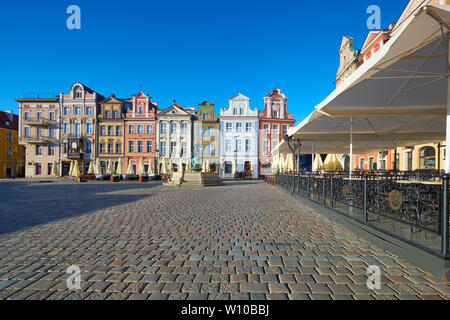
x,y
351,147
447,129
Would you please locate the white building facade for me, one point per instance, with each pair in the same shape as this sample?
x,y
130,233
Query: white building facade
x,y
174,135
239,127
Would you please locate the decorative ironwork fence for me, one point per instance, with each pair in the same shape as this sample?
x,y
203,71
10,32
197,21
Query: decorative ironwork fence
x,y
409,206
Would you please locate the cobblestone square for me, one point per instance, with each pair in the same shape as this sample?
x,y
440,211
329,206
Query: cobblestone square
x,y
244,240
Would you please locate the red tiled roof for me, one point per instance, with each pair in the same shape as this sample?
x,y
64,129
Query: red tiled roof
x,y
4,119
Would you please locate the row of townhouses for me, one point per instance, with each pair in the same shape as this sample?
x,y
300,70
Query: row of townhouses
x,y
84,126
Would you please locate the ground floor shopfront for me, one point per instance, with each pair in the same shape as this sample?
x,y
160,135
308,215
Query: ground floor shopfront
x,y
12,168
235,167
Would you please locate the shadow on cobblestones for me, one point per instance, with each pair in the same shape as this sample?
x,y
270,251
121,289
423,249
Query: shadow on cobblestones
x,y
25,204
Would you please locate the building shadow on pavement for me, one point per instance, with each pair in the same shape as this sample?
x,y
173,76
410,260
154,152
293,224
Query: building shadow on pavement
x,y
28,204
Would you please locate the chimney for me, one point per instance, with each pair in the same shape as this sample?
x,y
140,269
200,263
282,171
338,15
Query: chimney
x,y
10,115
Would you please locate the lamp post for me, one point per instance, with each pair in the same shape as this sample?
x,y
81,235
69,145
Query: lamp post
x,y
294,145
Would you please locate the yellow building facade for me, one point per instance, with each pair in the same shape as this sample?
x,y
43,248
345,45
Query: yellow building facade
x,y
429,156
12,155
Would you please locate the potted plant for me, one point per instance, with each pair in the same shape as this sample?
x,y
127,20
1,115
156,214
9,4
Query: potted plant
x,y
141,178
79,178
113,177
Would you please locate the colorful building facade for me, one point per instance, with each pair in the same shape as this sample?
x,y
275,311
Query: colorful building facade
x,y
110,129
206,135
274,123
140,133
174,134
239,137
39,133
79,109
12,155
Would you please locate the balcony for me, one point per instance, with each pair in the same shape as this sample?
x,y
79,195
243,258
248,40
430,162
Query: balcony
x,y
41,122
37,140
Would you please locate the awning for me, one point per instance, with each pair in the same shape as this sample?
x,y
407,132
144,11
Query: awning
x,y
407,76
397,98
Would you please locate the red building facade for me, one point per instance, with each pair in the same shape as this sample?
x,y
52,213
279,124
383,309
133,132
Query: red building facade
x,y
274,123
140,132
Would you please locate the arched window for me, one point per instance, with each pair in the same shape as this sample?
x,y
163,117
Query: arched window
x,y
427,158
78,92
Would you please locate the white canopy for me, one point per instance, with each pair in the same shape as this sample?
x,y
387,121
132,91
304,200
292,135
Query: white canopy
x,y
397,98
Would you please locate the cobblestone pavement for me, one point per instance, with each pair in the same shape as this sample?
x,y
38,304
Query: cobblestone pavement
x,y
244,240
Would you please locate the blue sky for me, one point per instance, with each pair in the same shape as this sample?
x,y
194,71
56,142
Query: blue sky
x,y
190,51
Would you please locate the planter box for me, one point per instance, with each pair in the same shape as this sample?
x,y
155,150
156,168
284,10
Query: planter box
x,y
113,179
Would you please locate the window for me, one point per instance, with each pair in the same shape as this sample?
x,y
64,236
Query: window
x,y
248,145
173,128
51,132
173,148
102,130
275,129
131,129
110,130
140,148
115,114
38,150
78,93
409,160
163,128
163,147
89,111
427,159
205,116
149,129
241,111
26,131
9,151
118,148
248,127
149,146
107,114
77,111
27,115
66,111
77,129
184,128
229,127
266,128
200,131
39,115
110,147
234,111
140,129
210,131
102,148
141,108
285,129
211,149
131,146
51,115
361,163
118,130
39,132
88,147
371,164
229,145
239,145
38,169
238,127
275,114
183,148
88,126
9,136
66,128
49,168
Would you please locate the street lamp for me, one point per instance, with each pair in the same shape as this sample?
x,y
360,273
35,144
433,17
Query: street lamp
x,y
294,145
156,161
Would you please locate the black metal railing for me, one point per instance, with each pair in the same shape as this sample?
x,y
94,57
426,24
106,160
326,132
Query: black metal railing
x,y
412,206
